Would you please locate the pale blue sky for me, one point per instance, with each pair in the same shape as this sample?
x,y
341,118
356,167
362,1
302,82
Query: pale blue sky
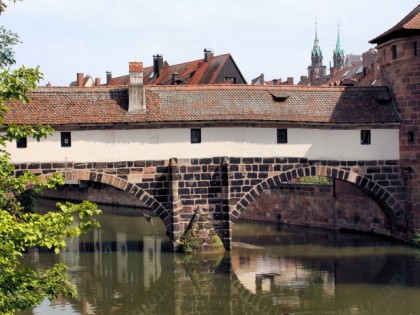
x,y
273,37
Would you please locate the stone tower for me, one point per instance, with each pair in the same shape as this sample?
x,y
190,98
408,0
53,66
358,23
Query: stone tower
x,y
399,64
338,53
316,69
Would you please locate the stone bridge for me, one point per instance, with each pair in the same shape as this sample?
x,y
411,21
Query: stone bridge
x,y
225,186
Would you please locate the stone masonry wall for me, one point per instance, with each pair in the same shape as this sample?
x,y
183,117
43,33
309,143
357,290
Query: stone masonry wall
x,y
402,75
323,206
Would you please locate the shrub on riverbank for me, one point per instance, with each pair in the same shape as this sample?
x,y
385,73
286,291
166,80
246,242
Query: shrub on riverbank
x,y
415,242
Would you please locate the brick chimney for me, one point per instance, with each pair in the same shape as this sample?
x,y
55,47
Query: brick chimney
x,y
290,81
97,81
208,53
80,79
136,93
157,64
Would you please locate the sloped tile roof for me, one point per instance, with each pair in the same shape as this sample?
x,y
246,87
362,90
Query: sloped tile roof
x,y
410,23
206,103
193,72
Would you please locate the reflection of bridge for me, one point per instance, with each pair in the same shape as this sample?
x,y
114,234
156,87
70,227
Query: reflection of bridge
x,y
220,284
226,186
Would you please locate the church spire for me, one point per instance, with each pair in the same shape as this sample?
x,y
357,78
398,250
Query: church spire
x,y
338,54
316,69
316,50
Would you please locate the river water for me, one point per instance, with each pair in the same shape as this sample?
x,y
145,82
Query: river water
x,y
126,267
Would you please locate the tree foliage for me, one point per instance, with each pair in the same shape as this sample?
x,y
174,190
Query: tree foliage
x,y
22,287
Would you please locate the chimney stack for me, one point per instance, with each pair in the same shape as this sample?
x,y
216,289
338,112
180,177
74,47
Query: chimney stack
x,y
157,64
80,78
175,78
136,93
373,71
97,81
262,81
290,81
108,77
208,53
313,77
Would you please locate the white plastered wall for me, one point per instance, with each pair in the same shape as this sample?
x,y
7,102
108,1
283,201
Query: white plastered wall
x,y
162,144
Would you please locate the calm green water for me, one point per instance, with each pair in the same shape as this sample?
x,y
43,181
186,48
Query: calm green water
x,y
126,267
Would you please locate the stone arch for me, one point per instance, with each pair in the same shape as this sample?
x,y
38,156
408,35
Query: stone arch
x,y
391,207
123,185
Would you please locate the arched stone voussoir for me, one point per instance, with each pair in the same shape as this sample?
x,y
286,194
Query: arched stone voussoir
x,y
391,206
116,182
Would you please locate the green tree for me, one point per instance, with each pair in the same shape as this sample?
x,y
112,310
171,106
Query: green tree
x,y
22,287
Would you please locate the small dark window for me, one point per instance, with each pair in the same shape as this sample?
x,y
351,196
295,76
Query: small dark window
x,y
21,142
281,135
195,135
415,49
394,51
365,137
66,139
410,137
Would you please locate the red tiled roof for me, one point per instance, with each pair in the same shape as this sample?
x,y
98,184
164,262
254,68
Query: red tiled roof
x,y
409,24
193,72
200,103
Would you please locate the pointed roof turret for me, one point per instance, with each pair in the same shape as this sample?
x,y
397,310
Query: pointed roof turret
x,y
316,50
338,51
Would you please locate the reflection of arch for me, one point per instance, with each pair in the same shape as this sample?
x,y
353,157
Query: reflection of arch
x,y
392,209
123,185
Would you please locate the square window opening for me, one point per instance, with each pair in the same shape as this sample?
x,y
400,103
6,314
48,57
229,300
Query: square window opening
x,y
21,143
66,139
195,135
365,137
281,135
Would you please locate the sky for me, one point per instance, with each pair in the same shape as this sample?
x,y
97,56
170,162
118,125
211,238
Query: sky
x,y
273,37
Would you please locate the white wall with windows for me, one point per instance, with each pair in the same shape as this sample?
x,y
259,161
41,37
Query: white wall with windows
x,y
160,144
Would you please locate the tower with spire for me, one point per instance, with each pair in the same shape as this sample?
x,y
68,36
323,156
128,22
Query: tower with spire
x,y
338,54
316,69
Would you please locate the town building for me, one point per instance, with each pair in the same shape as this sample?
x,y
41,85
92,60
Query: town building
x,y
211,69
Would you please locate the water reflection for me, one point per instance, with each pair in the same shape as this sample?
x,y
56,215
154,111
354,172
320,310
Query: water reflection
x,y
127,268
